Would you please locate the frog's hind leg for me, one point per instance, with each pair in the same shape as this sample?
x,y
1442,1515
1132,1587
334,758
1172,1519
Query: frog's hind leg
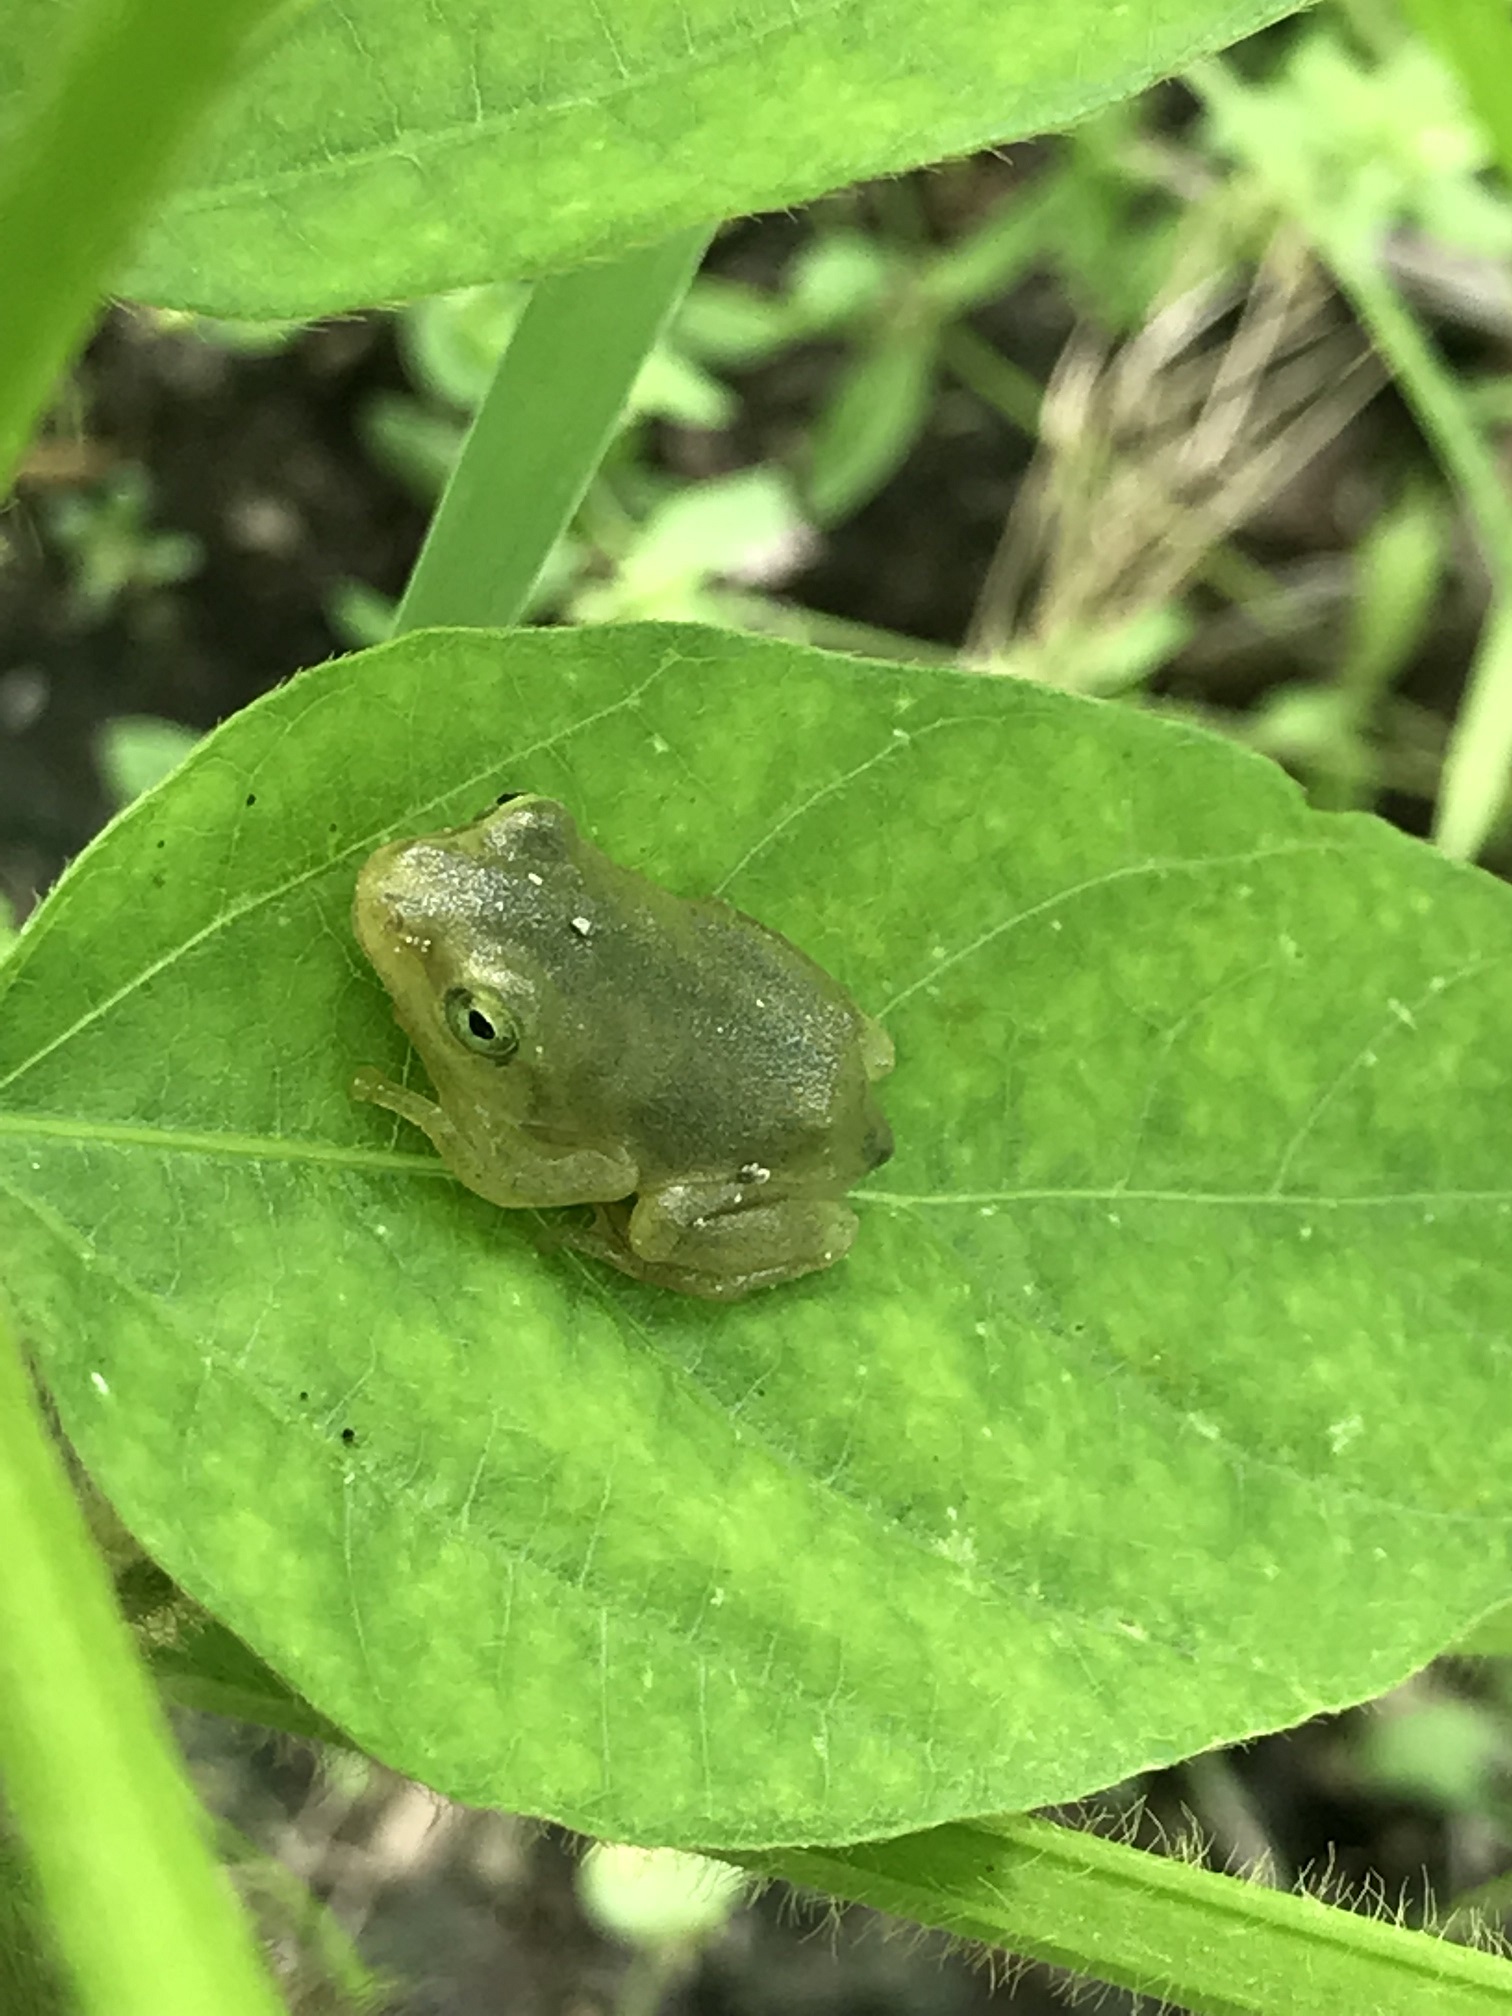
x,y
605,1236
678,1238
603,1241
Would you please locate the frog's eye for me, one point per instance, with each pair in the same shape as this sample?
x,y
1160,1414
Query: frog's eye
x,y
481,1023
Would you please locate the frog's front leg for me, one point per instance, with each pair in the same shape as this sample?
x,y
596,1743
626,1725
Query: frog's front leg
x,y
509,1169
719,1239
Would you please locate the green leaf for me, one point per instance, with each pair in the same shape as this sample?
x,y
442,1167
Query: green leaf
x,y
700,532
877,410
198,1663
383,150
1160,1401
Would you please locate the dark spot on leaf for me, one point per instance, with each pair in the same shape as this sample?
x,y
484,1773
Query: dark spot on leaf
x,y
251,797
302,1394
349,1436
162,843
505,797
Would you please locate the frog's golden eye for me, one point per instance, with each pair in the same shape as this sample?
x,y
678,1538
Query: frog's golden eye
x,y
479,1020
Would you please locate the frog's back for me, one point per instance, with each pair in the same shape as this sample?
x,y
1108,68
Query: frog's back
x,y
716,1043
776,1048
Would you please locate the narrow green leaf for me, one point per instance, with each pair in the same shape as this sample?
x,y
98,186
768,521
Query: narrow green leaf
x,y
119,85
556,399
145,1922
1160,1401
385,150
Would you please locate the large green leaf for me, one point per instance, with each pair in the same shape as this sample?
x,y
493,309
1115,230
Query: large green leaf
x,y
384,149
1161,1399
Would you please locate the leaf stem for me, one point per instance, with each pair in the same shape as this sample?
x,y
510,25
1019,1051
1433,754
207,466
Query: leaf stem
x,y
1216,1945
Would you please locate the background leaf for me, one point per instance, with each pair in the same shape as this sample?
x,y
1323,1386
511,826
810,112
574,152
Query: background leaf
x,y
1159,1402
384,150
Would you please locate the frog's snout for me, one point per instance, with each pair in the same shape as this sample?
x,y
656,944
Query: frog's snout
x,y
400,879
384,906
372,896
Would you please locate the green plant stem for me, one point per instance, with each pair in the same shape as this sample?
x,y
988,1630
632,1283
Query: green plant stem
x,y
1478,760
145,1921
82,169
1475,38
995,380
1479,756
1212,1944
541,432
1430,389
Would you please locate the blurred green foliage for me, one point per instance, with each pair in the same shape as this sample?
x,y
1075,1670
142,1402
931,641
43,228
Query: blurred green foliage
x,y
110,545
136,751
1338,128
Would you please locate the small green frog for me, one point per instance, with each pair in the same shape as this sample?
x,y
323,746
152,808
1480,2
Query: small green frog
x,y
594,1039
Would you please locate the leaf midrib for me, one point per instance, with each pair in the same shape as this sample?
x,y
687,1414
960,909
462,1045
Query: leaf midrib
x,y
391,1162
209,1141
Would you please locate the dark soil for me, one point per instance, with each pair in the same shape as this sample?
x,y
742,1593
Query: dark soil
x,y
258,457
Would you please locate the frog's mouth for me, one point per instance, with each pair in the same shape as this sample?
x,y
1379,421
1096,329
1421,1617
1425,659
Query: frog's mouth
x,y
371,907
877,1143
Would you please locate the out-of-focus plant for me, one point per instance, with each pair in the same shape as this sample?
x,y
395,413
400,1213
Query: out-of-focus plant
x,y
452,343
1352,148
110,545
136,751
664,1904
